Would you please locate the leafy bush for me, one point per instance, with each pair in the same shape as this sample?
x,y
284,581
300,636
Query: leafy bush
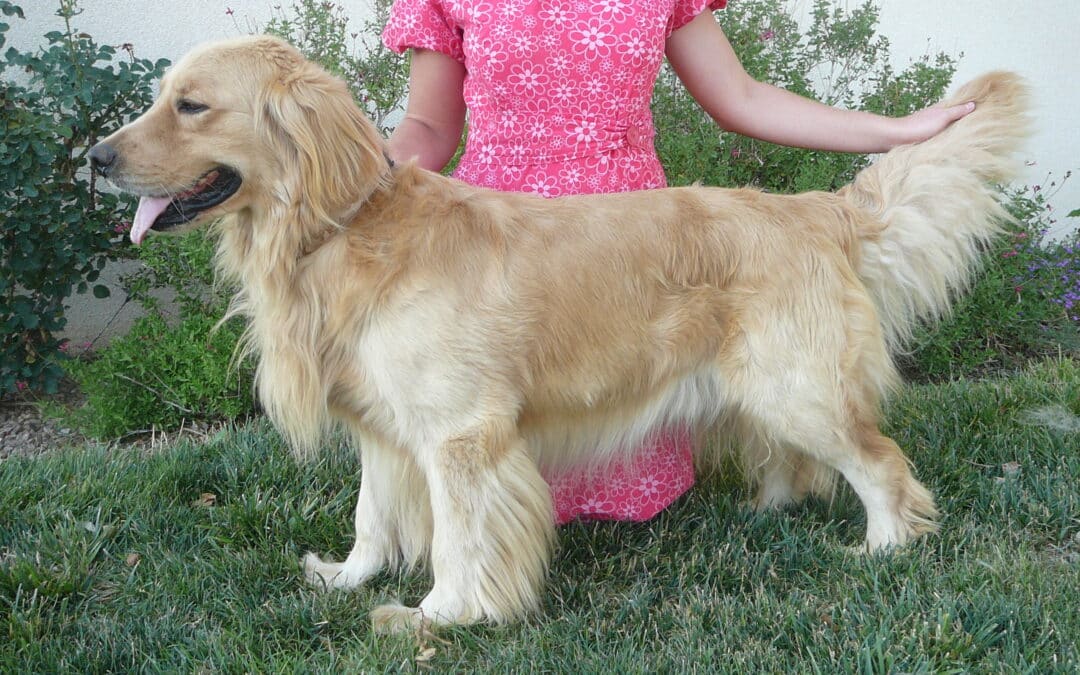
x,y
167,371
158,376
58,229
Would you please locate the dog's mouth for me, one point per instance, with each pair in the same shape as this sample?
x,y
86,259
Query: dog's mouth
x,y
165,213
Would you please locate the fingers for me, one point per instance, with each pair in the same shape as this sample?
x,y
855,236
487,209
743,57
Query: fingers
x,y
958,111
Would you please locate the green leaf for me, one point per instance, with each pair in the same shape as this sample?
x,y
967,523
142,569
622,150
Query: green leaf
x,y
10,9
101,291
1075,213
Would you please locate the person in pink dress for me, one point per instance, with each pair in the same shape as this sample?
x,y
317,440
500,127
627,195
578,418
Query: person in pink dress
x,y
557,94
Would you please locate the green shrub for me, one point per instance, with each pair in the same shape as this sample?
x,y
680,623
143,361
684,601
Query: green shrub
x,y
167,371
58,230
159,376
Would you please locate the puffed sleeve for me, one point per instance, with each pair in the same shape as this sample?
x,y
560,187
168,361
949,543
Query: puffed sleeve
x,y
422,24
687,10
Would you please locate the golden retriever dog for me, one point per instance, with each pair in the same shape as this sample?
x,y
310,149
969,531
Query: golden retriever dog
x,y
469,339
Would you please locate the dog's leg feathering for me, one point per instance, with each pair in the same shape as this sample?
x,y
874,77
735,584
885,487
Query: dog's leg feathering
x,y
493,532
393,520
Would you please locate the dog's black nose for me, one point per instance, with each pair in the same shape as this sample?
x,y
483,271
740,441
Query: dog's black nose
x,y
103,158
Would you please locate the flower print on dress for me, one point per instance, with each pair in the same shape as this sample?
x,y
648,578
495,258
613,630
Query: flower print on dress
x,y
516,153
549,41
594,37
591,504
634,47
561,63
521,46
528,78
558,16
612,10
477,11
564,92
601,165
486,153
586,127
491,55
512,10
594,86
537,128
502,31
572,175
542,184
410,22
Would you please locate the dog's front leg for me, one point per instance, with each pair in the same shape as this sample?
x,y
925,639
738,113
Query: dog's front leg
x,y
393,519
493,533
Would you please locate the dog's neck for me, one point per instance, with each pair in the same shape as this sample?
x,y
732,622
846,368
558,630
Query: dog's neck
x,y
259,252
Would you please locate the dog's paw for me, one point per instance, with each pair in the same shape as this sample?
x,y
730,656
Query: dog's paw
x,y
325,575
396,618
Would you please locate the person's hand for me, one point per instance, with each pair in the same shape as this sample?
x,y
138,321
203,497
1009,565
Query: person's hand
x,y
931,121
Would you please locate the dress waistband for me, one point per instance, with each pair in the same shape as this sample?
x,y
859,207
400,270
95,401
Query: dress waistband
x,y
583,137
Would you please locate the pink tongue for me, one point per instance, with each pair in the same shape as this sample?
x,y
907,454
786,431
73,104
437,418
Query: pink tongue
x,y
149,209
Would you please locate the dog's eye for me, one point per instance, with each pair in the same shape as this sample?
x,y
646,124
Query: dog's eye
x,y
186,107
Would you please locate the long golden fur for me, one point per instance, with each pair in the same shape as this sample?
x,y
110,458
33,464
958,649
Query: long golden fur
x,y
468,339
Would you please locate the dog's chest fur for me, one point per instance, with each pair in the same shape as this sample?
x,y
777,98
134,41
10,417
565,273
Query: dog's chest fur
x,y
424,373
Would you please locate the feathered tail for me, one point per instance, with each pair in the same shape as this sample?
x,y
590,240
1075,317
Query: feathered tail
x,y
936,204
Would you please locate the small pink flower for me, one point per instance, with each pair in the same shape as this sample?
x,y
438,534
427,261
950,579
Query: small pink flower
x,y
768,35
64,346
20,385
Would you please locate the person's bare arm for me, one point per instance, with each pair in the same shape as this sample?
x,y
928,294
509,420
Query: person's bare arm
x,y
435,112
703,59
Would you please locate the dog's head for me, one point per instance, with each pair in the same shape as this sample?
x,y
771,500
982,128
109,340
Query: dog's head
x,y
244,125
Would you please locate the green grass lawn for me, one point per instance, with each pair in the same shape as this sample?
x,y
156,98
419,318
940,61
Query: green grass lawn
x,y
116,560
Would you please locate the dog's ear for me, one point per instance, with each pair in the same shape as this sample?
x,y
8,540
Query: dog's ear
x,y
316,129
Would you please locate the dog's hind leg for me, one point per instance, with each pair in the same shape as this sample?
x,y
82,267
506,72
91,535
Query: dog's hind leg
x,y
839,428
493,535
786,477
779,475
776,476
898,507
393,519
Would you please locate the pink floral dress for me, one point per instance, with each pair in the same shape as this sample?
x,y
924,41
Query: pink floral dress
x,y
558,94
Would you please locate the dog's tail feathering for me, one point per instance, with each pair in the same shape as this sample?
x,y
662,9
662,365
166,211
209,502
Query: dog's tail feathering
x,y
936,204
